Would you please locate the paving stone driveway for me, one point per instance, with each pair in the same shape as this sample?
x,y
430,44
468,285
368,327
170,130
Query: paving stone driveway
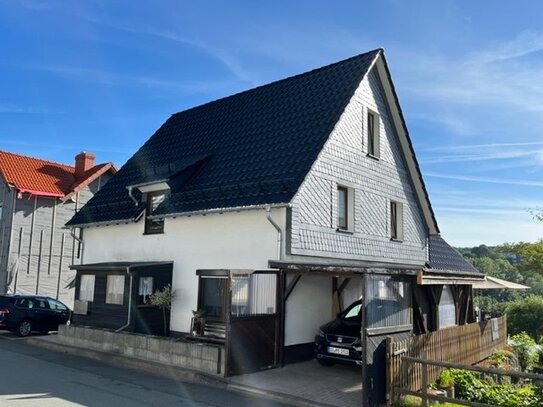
x,y
336,385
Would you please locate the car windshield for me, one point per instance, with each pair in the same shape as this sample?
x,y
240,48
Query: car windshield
x,y
352,313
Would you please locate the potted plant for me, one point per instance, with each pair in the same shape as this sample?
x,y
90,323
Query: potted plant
x,y
197,325
163,300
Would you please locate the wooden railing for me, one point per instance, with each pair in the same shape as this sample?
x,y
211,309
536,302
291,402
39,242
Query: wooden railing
x,y
465,344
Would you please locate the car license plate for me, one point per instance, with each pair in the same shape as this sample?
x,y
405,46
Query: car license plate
x,y
338,351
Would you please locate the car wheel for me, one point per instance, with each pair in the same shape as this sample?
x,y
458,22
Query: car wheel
x,y
325,362
25,328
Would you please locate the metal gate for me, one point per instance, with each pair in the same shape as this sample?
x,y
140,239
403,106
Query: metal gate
x,y
252,340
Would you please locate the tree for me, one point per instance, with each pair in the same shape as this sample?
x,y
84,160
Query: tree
x,y
526,315
163,300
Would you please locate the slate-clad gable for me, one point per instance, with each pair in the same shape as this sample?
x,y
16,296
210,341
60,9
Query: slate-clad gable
x,y
259,144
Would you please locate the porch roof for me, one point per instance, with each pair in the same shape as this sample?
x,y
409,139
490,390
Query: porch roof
x,y
342,269
119,265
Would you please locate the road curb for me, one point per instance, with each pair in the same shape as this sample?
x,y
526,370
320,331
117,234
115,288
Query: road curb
x,y
175,372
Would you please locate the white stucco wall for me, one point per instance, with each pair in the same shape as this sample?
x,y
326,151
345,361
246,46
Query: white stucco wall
x,y
308,307
232,240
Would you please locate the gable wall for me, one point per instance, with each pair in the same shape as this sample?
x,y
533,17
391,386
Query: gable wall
x,y
50,216
6,199
344,161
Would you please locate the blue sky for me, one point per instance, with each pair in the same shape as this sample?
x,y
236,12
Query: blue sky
x,y
104,75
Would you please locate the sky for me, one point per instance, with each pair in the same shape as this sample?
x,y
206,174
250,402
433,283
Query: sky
x,y
103,75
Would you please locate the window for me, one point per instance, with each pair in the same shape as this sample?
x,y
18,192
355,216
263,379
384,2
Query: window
x,y
145,289
154,199
56,305
212,297
388,301
396,220
447,309
373,134
115,289
345,209
342,208
1,210
86,287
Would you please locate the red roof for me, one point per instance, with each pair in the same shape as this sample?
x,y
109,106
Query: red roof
x,y
43,177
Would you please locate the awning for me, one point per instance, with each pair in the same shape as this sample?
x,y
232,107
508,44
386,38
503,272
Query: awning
x,y
493,282
484,283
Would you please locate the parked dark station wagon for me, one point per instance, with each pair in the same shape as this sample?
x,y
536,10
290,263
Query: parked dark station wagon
x,y
24,314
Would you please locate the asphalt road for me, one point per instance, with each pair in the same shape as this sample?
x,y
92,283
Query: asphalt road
x,y
31,376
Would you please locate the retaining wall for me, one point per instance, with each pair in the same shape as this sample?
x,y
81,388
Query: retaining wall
x,y
207,358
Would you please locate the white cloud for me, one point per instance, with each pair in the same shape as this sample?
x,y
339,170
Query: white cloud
x,y
487,180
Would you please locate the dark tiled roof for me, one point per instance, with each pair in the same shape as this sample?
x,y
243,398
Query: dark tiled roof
x,y
445,259
252,148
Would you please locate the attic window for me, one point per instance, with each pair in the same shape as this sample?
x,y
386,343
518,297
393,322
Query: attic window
x,y
373,134
154,199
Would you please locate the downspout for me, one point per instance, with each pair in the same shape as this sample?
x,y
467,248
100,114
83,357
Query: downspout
x,y
132,196
80,241
279,233
122,328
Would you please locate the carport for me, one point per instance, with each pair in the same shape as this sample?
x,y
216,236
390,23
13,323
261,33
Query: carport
x,y
313,294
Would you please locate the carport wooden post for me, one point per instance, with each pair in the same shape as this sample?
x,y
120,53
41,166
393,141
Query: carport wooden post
x,y
363,340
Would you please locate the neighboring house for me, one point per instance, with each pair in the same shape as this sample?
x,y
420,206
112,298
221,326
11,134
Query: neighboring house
x,y
277,207
37,197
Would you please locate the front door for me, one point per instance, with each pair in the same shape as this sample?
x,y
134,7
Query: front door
x,y
212,298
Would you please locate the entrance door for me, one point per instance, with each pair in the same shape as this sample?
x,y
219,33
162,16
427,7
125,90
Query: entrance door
x,y
253,334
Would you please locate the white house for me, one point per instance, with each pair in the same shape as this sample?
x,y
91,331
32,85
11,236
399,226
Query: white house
x,y
310,181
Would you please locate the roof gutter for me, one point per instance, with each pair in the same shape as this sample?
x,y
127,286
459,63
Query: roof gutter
x,y
79,240
181,214
220,210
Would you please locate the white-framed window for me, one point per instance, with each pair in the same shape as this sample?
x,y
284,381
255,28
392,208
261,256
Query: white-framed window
x,y
372,125
86,287
447,309
115,289
396,220
345,208
145,289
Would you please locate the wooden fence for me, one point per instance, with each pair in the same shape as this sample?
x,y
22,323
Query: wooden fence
x,y
465,344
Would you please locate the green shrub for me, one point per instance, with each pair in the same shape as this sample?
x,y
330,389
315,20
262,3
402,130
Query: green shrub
x,y
409,401
469,386
526,350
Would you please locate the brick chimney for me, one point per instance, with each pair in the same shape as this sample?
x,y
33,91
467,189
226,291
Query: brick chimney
x,y
83,162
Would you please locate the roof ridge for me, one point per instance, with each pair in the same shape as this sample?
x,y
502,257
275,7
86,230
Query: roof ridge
x,y
288,78
37,158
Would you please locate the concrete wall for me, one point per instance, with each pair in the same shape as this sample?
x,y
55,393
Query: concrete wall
x,y
375,183
232,240
196,356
